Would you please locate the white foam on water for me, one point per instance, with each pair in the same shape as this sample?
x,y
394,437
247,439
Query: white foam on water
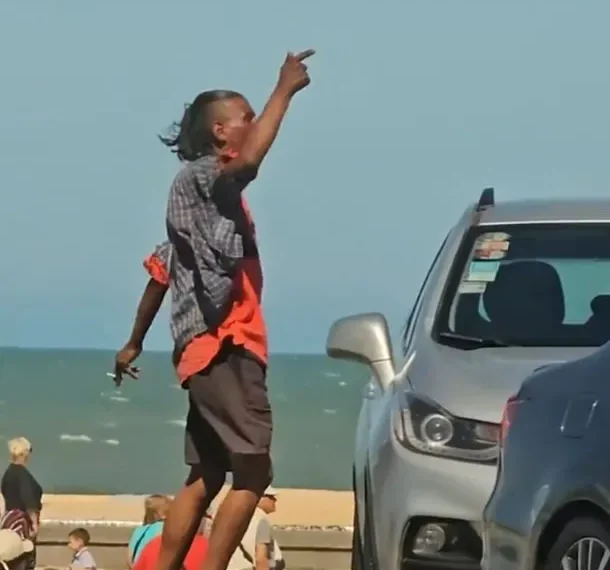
x,y
330,411
179,423
80,437
109,425
331,374
343,383
114,396
112,442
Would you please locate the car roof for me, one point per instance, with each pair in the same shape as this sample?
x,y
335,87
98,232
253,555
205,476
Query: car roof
x,y
546,211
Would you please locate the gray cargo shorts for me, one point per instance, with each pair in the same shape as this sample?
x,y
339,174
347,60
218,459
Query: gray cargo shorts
x,y
229,422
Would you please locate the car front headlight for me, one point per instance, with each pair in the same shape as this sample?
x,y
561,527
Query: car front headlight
x,y
423,426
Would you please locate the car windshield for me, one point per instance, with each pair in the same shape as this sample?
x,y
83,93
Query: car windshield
x,y
530,285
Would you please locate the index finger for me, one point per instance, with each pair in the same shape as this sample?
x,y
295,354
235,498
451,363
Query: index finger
x,y
304,54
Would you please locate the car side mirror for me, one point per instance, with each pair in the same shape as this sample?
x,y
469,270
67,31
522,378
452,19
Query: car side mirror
x,y
364,338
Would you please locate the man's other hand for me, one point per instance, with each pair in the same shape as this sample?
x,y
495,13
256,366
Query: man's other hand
x,y
123,363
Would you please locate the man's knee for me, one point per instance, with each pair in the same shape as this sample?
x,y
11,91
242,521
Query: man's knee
x,y
252,472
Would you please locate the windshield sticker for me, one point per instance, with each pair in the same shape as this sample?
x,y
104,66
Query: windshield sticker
x,y
492,246
489,254
494,236
483,271
467,287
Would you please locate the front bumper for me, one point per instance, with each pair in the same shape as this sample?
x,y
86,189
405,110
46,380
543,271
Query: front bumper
x,y
408,489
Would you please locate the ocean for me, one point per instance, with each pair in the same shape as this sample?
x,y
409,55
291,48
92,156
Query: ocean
x,y
89,437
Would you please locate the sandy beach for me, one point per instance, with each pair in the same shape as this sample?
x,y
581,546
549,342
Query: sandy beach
x,y
299,507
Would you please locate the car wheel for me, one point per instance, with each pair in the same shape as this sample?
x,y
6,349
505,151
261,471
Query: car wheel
x,y
584,544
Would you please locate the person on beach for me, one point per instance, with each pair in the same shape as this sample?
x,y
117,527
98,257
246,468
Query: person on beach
x,y
156,508
194,557
258,549
78,543
15,551
22,495
216,318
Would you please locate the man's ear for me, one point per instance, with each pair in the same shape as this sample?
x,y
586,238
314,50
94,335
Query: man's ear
x,y
219,133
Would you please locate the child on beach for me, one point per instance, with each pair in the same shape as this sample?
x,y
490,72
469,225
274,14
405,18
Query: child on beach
x,y
78,542
155,511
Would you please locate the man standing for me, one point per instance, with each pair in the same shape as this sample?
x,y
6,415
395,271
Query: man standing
x,y
216,319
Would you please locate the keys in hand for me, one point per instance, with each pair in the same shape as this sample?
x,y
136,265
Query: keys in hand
x,y
123,363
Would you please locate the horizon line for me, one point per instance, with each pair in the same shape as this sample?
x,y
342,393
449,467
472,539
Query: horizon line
x,y
159,351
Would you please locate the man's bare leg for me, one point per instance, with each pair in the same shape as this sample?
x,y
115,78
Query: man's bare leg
x,y
184,518
230,524
251,476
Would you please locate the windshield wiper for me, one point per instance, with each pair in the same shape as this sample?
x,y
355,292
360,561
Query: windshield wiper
x,y
472,341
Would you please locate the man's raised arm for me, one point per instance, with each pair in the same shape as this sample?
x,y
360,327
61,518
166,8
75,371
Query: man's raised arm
x,y
293,78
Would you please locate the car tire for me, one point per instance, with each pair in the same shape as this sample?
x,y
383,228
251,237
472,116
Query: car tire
x,y
576,530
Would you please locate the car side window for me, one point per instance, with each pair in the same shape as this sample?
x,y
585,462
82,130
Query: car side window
x,y
412,319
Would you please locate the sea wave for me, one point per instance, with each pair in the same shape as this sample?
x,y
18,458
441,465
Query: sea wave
x,y
112,442
330,411
114,395
80,437
331,374
179,423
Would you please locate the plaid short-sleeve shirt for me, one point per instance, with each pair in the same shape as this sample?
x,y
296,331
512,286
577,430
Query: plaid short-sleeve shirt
x,y
209,232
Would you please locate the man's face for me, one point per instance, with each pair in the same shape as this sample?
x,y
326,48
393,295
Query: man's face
x,y
233,120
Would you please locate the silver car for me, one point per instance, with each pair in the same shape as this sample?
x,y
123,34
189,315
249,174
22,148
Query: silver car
x,y
551,504
513,287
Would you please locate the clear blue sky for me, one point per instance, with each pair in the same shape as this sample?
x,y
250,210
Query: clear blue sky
x,y
413,108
